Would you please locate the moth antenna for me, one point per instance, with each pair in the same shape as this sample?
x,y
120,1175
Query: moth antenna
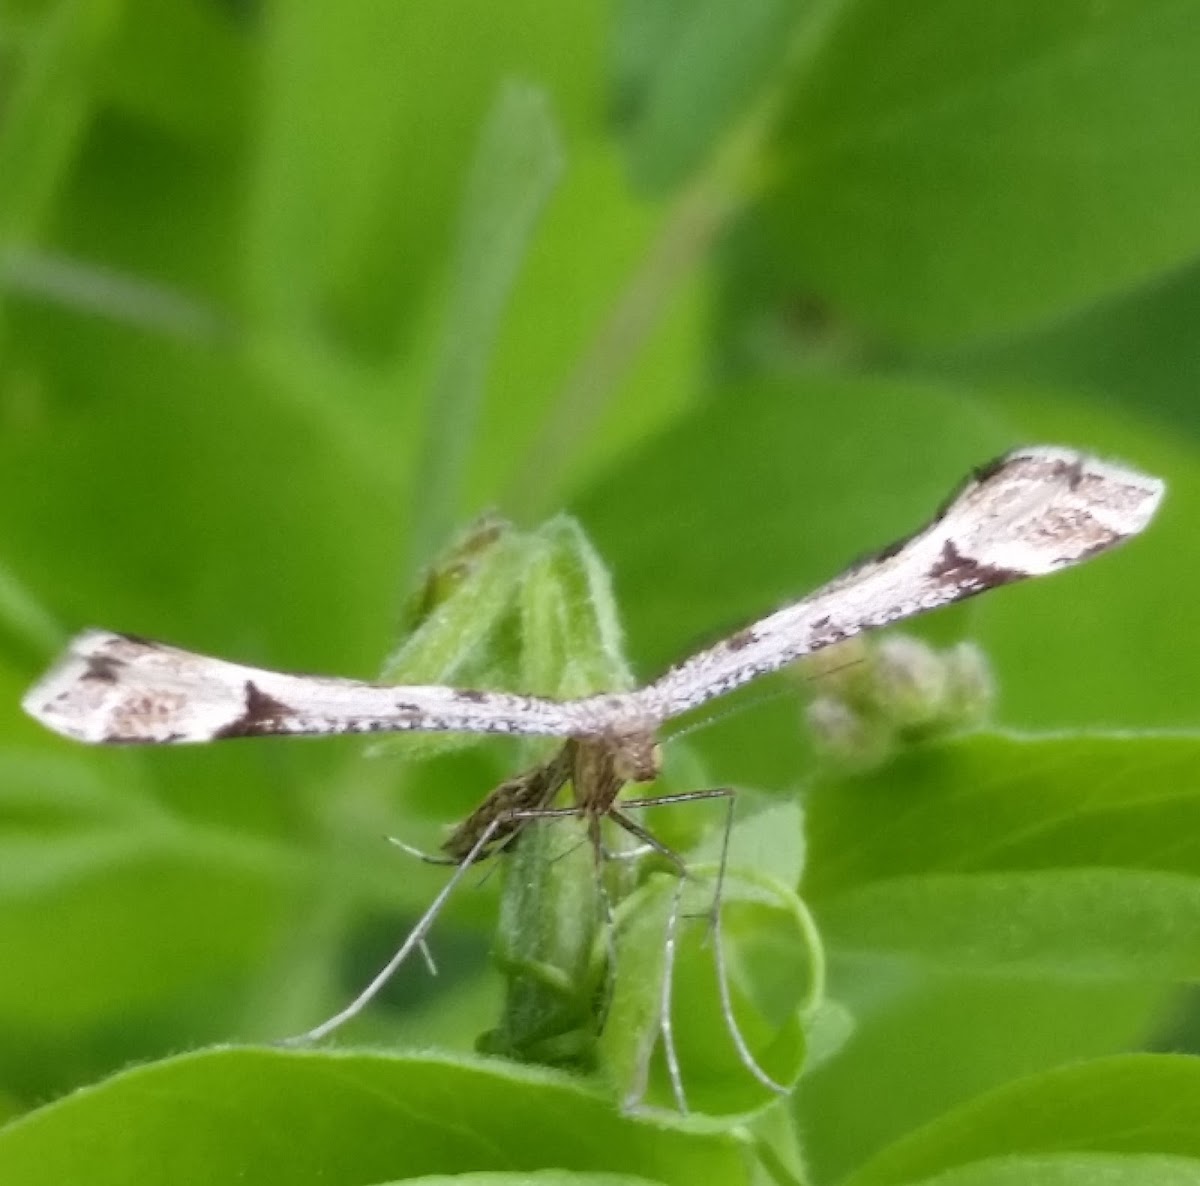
x,y
756,700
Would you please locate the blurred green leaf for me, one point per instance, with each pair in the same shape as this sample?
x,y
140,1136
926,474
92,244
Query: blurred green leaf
x,y
686,72
25,624
48,100
579,381
169,60
82,903
536,1178
367,122
78,857
1136,347
949,172
958,885
515,168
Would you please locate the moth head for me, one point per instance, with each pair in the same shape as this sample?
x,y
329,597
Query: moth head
x,y
637,757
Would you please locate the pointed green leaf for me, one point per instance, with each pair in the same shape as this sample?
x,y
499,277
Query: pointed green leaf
x,y
237,1115
1136,1104
1058,855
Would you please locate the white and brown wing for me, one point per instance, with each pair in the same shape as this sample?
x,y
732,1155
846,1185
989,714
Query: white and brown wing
x,y
1031,512
113,688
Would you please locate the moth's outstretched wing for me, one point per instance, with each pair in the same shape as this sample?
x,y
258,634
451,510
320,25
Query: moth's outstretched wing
x,y
116,688
1030,512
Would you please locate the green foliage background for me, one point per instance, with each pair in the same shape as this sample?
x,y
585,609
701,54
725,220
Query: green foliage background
x,y
291,292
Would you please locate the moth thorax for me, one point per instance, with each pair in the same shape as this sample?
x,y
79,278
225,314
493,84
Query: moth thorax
x,y
636,757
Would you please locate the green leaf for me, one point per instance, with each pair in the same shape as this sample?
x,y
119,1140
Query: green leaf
x,y
273,1116
25,624
1136,1104
46,107
1071,841
367,122
1073,1169
500,608
171,62
926,1041
949,172
700,67
1135,348
515,168
957,887
576,382
536,1178
996,802
1077,924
